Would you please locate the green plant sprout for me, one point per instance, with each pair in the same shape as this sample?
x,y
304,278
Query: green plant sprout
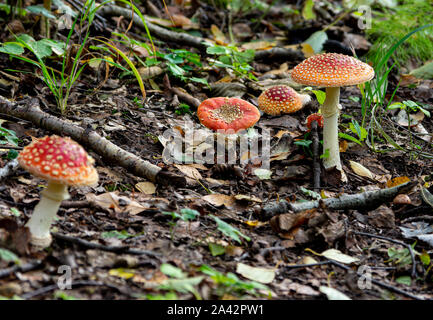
x,y
185,214
229,283
232,58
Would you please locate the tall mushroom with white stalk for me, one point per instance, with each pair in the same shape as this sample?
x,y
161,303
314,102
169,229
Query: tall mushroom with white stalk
x,y
62,162
332,70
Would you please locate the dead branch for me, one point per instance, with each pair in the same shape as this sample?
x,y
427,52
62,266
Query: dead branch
x,y
279,54
408,246
20,268
316,158
365,200
159,32
185,96
347,268
74,284
107,150
98,246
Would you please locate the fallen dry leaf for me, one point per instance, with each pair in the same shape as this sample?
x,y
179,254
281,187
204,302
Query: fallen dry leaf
x,y
360,170
189,171
218,199
146,187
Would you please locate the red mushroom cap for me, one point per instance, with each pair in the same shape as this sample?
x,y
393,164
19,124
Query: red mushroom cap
x,y
315,117
227,114
280,99
332,70
60,160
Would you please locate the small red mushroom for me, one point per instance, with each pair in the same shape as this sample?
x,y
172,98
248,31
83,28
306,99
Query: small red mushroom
x,y
281,99
62,162
315,117
227,114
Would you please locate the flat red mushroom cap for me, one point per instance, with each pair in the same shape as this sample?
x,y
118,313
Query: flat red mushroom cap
x,y
280,99
60,160
227,114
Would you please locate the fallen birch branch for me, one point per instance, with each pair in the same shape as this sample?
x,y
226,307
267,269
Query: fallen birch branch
x,y
364,200
159,32
196,42
29,110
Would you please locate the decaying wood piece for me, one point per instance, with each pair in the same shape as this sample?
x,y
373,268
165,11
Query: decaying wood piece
x,y
279,53
316,157
364,200
29,110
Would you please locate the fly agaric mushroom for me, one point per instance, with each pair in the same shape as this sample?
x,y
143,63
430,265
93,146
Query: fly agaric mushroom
x,y
315,117
281,99
227,114
332,70
62,162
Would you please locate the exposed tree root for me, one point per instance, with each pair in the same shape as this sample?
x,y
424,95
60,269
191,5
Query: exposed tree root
x,y
365,200
29,110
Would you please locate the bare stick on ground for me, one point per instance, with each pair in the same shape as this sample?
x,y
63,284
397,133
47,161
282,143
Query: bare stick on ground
x,y
26,267
107,150
364,200
408,246
316,158
98,246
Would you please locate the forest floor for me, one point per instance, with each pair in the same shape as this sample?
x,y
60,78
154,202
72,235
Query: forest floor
x,y
99,228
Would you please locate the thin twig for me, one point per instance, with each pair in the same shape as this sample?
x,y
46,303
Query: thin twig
x,y
364,200
316,158
92,245
380,283
74,284
408,246
377,282
20,268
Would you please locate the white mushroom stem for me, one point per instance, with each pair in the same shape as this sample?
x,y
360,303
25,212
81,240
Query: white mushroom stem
x,y
330,112
45,212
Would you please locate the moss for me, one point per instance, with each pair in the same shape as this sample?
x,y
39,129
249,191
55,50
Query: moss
x,y
389,25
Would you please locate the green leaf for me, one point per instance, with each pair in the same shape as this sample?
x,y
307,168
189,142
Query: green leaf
x,y
320,96
218,50
325,154
40,10
311,193
316,41
229,231
172,271
348,137
8,256
200,80
307,11
12,48
189,214
64,296
303,143
175,69
183,285
425,258
116,234
167,296
404,280
216,249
